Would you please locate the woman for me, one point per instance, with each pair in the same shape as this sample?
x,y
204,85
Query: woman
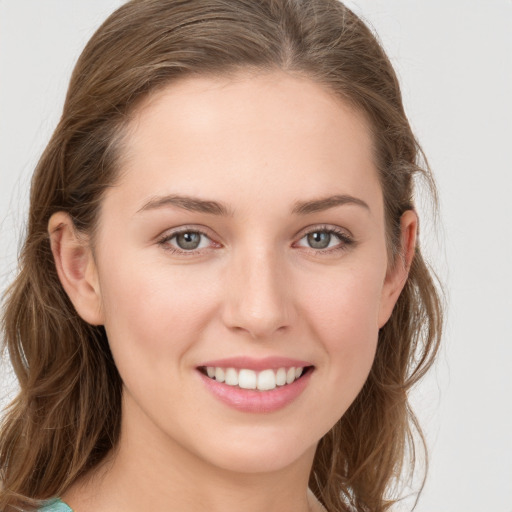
x,y
221,302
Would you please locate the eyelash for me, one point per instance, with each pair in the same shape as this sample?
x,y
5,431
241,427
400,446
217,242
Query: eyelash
x,y
165,241
345,240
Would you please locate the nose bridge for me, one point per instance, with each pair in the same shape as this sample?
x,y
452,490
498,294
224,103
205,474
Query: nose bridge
x,y
257,300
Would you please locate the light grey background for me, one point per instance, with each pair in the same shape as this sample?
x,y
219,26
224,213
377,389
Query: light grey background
x,y
454,60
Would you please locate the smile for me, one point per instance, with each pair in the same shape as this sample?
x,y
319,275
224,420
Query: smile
x,y
244,378
256,385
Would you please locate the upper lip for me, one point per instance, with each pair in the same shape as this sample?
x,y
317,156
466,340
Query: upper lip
x,y
255,364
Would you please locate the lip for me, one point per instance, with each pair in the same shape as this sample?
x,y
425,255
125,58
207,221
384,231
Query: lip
x,y
252,401
250,363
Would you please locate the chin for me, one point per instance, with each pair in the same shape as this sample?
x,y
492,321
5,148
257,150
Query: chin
x,y
260,452
253,461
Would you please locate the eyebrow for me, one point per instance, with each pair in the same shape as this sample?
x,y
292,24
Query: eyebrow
x,y
195,204
319,205
192,204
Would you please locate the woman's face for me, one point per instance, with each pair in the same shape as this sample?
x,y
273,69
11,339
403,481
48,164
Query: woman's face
x,y
245,238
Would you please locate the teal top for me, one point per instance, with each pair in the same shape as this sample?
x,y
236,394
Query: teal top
x,y
56,506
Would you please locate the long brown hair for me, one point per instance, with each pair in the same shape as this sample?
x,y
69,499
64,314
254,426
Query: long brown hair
x,y
66,417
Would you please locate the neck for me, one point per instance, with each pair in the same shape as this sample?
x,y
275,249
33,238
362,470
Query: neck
x,y
149,471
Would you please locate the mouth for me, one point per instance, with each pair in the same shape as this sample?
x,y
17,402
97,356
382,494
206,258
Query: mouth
x,y
264,380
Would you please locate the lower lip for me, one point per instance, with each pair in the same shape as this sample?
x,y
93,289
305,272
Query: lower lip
x,y
249,400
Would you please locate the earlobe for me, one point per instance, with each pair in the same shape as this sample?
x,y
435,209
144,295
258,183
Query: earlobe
x,y
76,267
396,276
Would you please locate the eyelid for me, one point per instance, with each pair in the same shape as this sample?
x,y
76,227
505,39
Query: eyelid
x,y
325,227
346,239
344,235
169,234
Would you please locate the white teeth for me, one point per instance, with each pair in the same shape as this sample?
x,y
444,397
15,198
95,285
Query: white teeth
x,y
249,379
281,377
266,380
219,374
231,377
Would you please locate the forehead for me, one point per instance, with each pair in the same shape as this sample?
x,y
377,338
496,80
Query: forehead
x,y
247,132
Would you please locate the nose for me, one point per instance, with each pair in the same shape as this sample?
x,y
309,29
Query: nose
x,y
258,301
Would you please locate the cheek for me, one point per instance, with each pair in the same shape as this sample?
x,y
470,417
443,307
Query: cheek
x,y
344,315
153,313
347,299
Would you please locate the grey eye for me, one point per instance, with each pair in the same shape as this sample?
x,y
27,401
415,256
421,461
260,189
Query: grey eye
x,y
319,239
189,240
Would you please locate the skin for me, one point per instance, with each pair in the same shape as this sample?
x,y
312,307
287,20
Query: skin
x,y
258,144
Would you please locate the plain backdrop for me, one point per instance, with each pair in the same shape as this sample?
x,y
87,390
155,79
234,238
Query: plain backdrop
x,y
454,61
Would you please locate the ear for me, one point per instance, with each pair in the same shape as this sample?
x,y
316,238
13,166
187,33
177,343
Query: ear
x,y
76,267
396,276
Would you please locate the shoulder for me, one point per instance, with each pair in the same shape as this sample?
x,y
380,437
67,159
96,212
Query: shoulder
x,y
55,506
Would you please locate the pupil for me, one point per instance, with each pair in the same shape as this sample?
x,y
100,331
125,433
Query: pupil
x,y
319,239
188,240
